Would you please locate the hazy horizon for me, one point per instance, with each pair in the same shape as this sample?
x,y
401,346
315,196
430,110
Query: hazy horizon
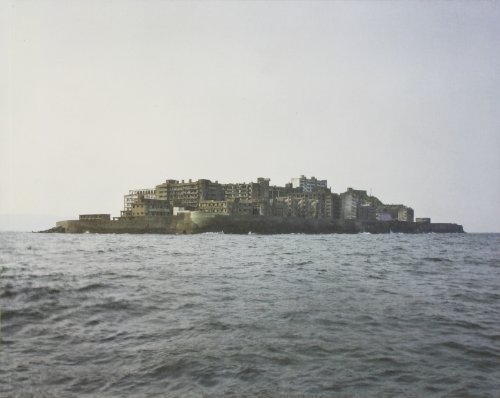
x,y
396,98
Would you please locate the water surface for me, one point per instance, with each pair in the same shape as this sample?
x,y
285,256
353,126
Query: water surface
x,y
329,315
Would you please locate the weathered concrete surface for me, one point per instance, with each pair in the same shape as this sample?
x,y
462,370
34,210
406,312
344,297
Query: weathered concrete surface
x,y
157,225
409,227
198,222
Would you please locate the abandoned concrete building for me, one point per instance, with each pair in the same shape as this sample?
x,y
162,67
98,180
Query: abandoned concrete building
x,y
302,197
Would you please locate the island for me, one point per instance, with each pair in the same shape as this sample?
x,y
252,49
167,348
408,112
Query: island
x,y
305,205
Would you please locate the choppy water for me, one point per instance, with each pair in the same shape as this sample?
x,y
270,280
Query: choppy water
x,y
211,315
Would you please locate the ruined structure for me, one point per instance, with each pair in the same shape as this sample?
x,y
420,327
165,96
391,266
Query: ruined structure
x,y
303,205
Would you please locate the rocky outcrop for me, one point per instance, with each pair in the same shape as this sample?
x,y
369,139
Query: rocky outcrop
x,y
58,229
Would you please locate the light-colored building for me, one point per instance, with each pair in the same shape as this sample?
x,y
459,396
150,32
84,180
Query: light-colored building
x,y
356,204
308,184
150,207
317,204
133,195
296,206
405,214
350,201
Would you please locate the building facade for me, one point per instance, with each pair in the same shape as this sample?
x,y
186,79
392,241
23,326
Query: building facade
x,y
350,201
189,194
308,184
150,207
247,191
406,214
133,195
217,206
395,212
236,206
303,197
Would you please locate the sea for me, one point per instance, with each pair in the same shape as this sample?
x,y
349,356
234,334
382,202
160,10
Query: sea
x,y
216,315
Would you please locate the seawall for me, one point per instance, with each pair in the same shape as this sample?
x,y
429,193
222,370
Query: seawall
x,y
199,222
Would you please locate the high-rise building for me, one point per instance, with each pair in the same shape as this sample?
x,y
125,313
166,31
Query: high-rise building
x,y
308,184
350,200
247,191
189,194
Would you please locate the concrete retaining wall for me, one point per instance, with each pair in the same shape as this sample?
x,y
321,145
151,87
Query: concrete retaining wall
x,y
160,225
198,222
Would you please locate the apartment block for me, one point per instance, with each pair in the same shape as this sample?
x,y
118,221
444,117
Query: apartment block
x,y
189,194
350,201
302,197
133,195
247,191
150,207
308,184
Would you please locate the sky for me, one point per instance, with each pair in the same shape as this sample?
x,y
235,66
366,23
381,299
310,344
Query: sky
x,y
400,98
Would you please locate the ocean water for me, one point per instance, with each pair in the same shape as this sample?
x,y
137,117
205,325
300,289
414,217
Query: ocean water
x,y
226,315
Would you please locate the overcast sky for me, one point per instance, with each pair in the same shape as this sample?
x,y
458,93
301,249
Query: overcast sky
x,y
99,97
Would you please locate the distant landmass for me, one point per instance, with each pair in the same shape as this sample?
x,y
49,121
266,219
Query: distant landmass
x,y
305,205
